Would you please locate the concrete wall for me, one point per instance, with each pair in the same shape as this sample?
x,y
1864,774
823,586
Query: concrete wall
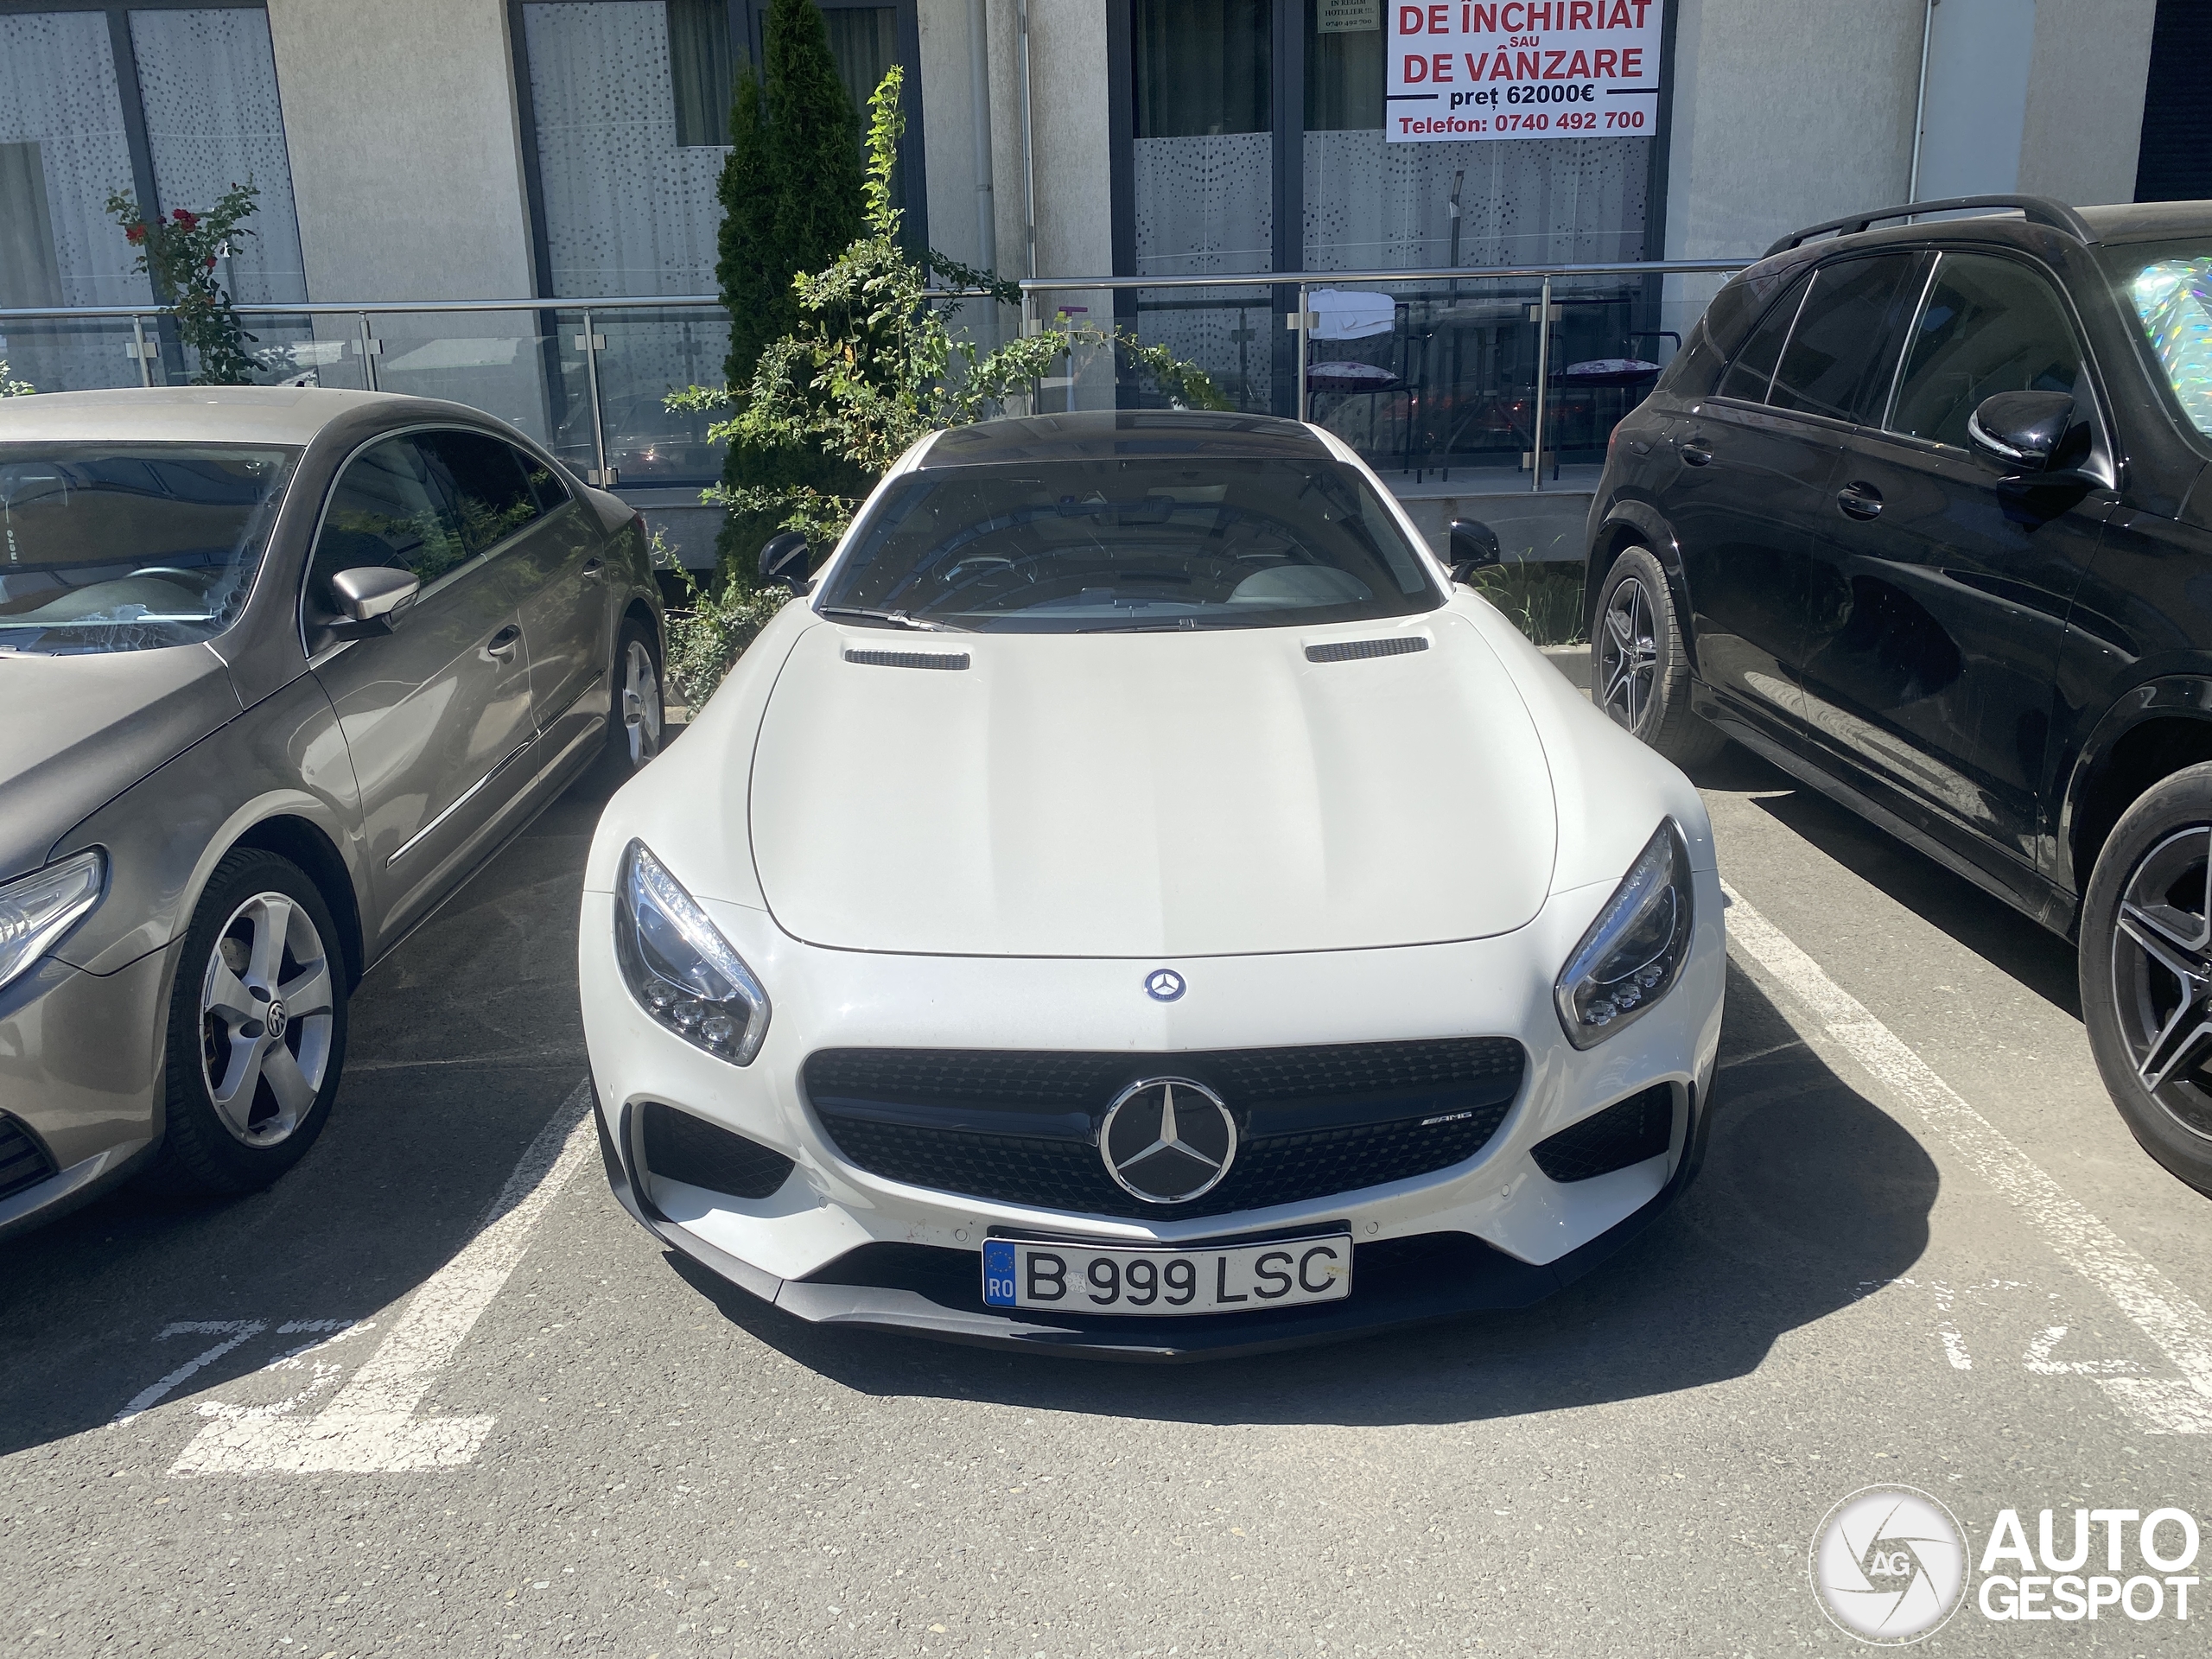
x,y
406,148
1785,114
2084,115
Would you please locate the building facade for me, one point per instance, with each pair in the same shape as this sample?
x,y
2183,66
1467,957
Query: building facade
x,y
448,150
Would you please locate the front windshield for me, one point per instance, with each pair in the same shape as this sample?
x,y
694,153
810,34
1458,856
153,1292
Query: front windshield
x,y
128,547
2168,286
1115,546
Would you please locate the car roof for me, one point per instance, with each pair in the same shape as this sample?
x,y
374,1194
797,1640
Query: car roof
x,y
1122,434
282,414
2113,223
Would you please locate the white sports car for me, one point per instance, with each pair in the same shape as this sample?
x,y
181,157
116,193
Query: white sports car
x,y
1139,904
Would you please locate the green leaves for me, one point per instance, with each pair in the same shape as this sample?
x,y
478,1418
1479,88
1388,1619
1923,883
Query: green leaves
x,y
178,254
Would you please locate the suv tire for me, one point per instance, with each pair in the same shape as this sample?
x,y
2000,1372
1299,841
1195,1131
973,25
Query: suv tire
x,y
1639,669
257,1029
635,730
2146,971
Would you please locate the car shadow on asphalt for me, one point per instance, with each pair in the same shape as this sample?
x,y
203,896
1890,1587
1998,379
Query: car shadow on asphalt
x,y
460,1041
1810,1198
2039,959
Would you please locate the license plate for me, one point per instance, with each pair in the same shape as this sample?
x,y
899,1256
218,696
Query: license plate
x,y
1148,1279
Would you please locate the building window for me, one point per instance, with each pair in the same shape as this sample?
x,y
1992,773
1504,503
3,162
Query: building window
x,y
703,68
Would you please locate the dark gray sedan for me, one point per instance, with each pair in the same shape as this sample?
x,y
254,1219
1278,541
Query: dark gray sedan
x,y
281,668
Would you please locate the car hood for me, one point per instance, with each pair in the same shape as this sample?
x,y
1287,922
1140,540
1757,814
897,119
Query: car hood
x,y
1150,795
87,726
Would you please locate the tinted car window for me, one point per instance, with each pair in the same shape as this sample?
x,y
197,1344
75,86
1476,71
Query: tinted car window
x,y
390,507
126,547
1840,354
1987,326
1108,546
490,485
1748,375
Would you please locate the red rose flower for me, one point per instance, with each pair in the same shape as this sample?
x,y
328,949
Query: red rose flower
x,y
136,233
189,220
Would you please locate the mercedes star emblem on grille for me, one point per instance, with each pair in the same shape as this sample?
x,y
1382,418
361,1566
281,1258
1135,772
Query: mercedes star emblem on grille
x,y
1167,1140
1163,985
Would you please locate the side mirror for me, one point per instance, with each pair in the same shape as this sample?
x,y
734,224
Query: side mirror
x,y
2021,430
784,558
1473,545
372,597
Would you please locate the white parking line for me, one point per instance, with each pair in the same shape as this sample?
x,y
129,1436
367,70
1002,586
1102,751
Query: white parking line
x,y
370,1426
2159,1308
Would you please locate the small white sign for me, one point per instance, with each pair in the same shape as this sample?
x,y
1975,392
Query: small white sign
x,y
1347,16
1526,69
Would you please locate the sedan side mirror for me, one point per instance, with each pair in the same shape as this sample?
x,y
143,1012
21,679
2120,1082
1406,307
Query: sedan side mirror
x,y
1473,545
372,597
784,558
2021,430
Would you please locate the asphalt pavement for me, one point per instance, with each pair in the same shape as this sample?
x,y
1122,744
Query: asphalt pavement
x,y
435,1394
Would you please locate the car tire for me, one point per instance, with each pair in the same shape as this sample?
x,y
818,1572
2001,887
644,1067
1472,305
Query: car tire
x,y
2146,971
247,1092
1639,669
635,730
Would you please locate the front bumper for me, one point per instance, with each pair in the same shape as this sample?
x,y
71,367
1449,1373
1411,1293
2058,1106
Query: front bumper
x,y
837,1244
81,1057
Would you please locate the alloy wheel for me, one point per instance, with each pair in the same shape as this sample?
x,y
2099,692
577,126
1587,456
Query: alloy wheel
x,y
1628,653
641,710
265,1019
2162,976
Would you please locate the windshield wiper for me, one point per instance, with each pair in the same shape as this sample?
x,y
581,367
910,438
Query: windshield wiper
x,y
897,619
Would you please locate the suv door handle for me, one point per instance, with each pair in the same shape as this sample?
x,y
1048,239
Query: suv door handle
x,y
593,570
1860,500
501,645
1693,451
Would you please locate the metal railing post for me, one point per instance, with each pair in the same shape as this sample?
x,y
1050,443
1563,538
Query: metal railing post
x,y
1305,349
370,347
604,479
1543,382
138,350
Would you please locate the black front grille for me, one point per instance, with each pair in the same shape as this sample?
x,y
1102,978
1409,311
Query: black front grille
x,y
1626,1133
1021,1127
689,1150
23,1162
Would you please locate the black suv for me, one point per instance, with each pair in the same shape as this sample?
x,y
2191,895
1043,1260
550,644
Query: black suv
x,y
1923,516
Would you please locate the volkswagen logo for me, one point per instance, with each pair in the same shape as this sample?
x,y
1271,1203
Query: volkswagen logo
x,y
1167,1140
274,1018
1163,985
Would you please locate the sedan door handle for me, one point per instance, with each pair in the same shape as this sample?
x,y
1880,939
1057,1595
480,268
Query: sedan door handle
x,y
501,645
1695,453
1860,500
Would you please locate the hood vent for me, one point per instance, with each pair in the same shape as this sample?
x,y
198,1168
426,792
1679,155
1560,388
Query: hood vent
x,y
1353,651
908,659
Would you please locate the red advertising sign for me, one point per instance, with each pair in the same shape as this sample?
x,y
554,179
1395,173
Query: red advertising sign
x,y
1527,69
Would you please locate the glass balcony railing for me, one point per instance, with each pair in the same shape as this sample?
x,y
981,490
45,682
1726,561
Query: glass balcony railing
x,y
1525,369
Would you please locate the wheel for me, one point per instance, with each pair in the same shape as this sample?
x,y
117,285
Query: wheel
x,y
2146,971
256,1030
1640,673
635,735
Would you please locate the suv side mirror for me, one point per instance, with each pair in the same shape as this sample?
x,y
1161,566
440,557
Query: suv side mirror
x,y
371,597
1473,545
784,558
2021,430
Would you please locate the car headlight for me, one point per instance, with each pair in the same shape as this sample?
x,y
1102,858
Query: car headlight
x,y
36,909
679,966
1634,951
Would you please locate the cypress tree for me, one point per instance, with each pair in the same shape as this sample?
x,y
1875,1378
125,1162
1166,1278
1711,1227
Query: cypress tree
x,y
792,203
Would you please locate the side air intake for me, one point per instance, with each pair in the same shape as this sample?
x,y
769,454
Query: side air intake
x,y
908,659
1626,1133
1353,651
23,1162
681,1148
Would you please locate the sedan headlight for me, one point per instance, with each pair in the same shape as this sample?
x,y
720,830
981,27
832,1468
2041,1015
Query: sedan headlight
x,y
36,909
1634,951
679,966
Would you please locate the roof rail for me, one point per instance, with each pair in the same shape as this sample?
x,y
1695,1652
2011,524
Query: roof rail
x,y
2037,209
